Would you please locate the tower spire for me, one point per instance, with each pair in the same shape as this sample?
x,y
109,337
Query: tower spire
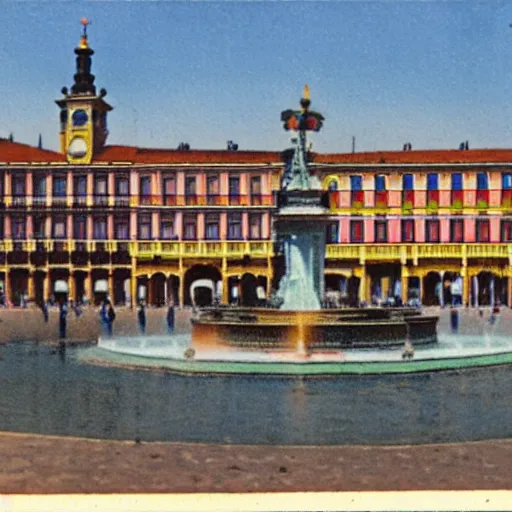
x,y
84,80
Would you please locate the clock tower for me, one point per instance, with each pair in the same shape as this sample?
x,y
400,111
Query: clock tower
x,y
83,113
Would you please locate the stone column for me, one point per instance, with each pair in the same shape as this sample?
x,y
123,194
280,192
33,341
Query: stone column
x,y
71,286
133,290
7,286
30,286
405,284
46,286
182,289
111,285
465,286
509,291
363,285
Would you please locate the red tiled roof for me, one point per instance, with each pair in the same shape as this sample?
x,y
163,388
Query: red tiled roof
x,y
13,152
174,156
441,156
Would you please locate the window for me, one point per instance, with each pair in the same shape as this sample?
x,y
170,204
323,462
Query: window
x,y
408,182
189,227
481,181
169,186
356,231
190,186
457,181
18,227
100,228
506,181
255,185
332,233
234,226
432,181
121,228
18,185
506,230
212,189
190,190
381,231
212,227
432,232
122,186
166,226
59,227
333,186
80,186
255,226
356,183
234,186
40,186
144,226
408,230
380,182
59,186
145,186
80,227
100,186
456,230
39,227
1,226
482,230
170,191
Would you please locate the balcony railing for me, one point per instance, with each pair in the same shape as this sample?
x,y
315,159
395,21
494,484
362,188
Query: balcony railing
x,y
430,200
105,200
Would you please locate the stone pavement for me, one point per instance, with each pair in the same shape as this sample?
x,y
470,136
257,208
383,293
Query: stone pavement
x,y
39,464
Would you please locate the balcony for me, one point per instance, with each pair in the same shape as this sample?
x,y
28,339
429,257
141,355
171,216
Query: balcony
x,y
79,201
39,202
100,200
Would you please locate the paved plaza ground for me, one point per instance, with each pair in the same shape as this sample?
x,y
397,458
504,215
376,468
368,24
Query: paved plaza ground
x,y
46,464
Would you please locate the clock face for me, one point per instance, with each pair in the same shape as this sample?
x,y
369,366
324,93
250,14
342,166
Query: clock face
x,y
77,148
79,117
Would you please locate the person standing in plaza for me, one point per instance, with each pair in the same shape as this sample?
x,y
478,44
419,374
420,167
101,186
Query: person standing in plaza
x,y
170,317
141,315
111,316
44,309
63,313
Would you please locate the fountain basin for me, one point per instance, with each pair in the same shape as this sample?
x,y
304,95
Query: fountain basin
x,y
264,328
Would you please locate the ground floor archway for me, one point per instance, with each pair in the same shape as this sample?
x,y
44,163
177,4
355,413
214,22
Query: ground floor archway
x,y
200,285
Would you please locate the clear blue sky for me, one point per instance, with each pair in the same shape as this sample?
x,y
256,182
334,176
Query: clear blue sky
x,y
432,73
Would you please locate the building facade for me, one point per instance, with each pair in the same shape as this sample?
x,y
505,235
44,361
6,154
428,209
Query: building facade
x,y
189,226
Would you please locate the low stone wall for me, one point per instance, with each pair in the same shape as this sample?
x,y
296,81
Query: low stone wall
x,y
29,325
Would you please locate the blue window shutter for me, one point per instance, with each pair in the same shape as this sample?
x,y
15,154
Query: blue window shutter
x,y
408,182
457,181
506,178
432,181
481,181
380,182
356,183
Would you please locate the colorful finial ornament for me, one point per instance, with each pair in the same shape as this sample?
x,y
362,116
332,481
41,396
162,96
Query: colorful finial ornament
x,y
83,39
302,120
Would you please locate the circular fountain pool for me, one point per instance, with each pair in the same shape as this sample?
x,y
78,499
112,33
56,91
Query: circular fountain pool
x,y
49,392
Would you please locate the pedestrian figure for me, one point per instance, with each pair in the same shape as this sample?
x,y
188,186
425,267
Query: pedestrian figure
x,y
63,320
44,309
111,316
142,318
104,316
454,320
408,351
77,309
170,318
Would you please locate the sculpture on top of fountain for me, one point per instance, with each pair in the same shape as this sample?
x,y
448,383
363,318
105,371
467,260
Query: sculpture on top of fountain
x,y
297,175
301,221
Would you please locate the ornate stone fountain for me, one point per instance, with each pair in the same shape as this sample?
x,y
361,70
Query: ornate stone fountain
x,y
300,323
